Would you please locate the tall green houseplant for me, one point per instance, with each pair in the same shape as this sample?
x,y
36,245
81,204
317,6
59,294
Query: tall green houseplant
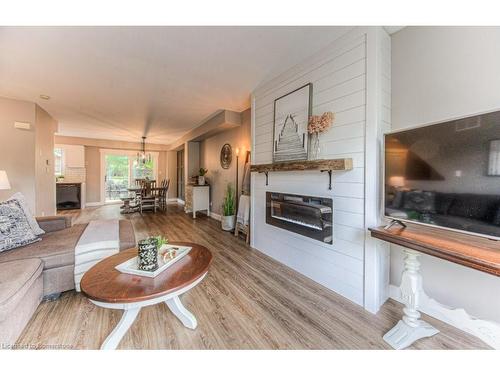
x,y
228,209
228,205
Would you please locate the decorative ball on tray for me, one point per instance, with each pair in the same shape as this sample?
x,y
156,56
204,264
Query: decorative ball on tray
x,y
165,252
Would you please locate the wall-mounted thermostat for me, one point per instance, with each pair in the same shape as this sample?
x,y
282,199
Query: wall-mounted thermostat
x,y
22,125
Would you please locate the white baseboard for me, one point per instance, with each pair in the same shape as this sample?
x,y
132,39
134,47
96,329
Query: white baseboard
x,y
181,202
215,216
93,204
487,331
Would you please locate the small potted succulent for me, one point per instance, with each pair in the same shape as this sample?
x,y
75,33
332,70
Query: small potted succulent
x,y
201,176
161,242
228,210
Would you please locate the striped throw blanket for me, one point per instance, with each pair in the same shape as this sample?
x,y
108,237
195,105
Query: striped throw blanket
x,y
99,240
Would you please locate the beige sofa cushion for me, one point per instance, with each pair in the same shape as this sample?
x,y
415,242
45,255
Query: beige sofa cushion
x,y
56,249
54,223
16,278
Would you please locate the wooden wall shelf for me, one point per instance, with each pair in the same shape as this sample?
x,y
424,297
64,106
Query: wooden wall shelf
x,y
324,165
470,251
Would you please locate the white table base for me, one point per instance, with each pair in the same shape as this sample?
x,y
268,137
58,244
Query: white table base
x,y
131,310
411,327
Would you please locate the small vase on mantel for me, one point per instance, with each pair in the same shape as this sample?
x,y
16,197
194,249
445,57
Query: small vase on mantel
x,y
315,126
315,149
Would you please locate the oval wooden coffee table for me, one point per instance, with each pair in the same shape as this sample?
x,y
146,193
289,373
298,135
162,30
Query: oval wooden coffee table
x,y
109,288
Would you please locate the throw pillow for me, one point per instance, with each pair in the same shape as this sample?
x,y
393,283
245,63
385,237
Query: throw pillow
x,y
31,218
420,201
15,230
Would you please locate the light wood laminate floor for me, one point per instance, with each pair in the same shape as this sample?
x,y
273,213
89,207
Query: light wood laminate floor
x,y
247,301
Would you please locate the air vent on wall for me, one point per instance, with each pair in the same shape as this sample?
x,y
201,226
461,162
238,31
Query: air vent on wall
x,y
468,124
22,125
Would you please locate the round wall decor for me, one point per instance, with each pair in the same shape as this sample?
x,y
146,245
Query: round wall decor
x,y
226,155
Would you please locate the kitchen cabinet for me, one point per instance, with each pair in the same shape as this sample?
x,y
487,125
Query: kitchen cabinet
x,y
73,155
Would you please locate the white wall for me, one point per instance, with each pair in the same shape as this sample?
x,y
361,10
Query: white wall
x,y
17,149
339,78
28,155
45,184
441,73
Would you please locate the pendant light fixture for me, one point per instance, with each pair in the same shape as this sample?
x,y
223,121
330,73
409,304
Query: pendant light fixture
x,y
142,157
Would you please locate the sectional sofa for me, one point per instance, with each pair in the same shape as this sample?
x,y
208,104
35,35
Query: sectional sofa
x,y
43,268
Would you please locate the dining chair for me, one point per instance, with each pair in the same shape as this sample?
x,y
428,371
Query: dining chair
x,y
163,192
146,198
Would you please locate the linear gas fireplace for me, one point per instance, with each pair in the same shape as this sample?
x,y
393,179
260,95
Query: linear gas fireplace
x,y
309,216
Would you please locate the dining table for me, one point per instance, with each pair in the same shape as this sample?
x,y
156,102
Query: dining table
x,y
128,202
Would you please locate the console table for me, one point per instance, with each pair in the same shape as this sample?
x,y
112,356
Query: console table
x,y
471,251
197,199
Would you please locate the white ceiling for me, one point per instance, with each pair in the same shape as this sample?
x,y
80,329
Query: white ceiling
x,y
122,82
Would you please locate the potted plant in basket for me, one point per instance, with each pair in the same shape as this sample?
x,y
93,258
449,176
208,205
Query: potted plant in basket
x,y
228,209
201,176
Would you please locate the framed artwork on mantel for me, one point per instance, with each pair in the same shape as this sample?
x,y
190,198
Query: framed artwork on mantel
x,y
291,115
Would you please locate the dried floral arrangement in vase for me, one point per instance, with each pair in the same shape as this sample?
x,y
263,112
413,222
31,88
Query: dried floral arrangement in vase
x,y
317,125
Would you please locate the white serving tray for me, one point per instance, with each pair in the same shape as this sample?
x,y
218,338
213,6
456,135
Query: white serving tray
x,y
131,265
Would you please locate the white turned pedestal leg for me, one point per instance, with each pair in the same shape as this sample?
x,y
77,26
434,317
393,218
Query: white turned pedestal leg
x,y
185,316
121,328
410,328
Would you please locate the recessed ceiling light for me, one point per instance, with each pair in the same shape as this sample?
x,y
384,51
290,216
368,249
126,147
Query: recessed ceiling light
x,y
44,97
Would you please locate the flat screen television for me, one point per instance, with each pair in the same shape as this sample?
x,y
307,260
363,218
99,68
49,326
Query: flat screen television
x,y
446,175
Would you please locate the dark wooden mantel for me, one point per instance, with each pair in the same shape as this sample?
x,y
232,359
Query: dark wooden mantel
x,y
324,165
471,251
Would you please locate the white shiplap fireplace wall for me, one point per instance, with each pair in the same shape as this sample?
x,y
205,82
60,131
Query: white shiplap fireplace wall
x,y
351,78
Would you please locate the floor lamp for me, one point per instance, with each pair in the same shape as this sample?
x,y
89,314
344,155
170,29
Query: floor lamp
x,y
237,151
